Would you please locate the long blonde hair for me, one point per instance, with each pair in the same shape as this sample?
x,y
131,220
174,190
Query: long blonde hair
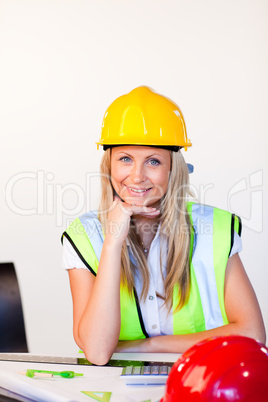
x,y
175,223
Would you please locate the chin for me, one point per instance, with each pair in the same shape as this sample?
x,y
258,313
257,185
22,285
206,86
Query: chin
x,y
134,202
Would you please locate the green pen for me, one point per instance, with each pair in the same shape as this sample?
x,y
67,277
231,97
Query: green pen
x,y
65,374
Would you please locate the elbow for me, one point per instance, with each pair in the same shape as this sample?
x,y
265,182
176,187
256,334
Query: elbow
x,y
98,359
261,336
254,331
258,333
94,352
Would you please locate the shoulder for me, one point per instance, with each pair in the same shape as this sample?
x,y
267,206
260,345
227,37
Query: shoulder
x,y
85,222
86,225
90,216
219,219
201,210
216,226
85,234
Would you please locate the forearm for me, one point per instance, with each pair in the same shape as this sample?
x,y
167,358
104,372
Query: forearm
x,y
180,343
99,326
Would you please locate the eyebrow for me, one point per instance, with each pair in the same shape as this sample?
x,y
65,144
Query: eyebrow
x,y
148,156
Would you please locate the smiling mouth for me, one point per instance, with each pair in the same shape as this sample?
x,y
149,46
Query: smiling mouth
x,y
139,191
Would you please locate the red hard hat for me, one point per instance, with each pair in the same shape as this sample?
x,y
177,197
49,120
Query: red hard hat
x,y
226,368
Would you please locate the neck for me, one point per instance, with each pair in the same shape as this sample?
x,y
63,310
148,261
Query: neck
x,y
146,229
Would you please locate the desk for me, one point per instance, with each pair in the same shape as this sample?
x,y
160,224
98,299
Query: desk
x,y
95,379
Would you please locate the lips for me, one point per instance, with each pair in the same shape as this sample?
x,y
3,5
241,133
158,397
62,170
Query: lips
x,y
138,192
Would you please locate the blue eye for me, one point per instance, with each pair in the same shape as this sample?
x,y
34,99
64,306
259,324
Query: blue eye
x,y
125,159
154,162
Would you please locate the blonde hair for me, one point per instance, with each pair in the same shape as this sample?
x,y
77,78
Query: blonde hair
x,y
175,223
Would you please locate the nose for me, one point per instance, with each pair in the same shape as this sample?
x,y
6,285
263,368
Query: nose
x,y
138,174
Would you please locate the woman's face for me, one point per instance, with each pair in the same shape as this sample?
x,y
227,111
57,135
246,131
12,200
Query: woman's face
x,y
140,174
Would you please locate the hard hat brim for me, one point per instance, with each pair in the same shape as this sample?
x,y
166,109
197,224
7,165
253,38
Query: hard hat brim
x,y
168,147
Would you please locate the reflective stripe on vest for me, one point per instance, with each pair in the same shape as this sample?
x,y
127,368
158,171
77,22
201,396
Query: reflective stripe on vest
x,y
210,247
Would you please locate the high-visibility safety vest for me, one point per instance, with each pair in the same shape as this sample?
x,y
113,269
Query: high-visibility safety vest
x,y
211,243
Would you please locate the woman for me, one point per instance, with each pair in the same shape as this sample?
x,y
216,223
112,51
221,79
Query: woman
x,y
169,273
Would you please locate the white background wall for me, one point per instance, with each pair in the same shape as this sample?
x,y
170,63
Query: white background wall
x,y
62,62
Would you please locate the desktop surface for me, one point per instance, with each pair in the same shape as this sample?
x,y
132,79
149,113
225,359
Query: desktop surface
x,y
101,383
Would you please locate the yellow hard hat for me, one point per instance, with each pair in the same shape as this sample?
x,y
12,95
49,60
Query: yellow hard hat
x,y
144,117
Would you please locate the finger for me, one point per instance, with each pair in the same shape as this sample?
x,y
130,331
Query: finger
x,y
141,209
151,214
133,209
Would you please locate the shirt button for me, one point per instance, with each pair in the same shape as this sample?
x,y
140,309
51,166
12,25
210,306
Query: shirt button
x,y
154,326
151,297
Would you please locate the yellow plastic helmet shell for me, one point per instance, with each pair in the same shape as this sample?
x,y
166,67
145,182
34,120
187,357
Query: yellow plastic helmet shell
x,y
144,117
